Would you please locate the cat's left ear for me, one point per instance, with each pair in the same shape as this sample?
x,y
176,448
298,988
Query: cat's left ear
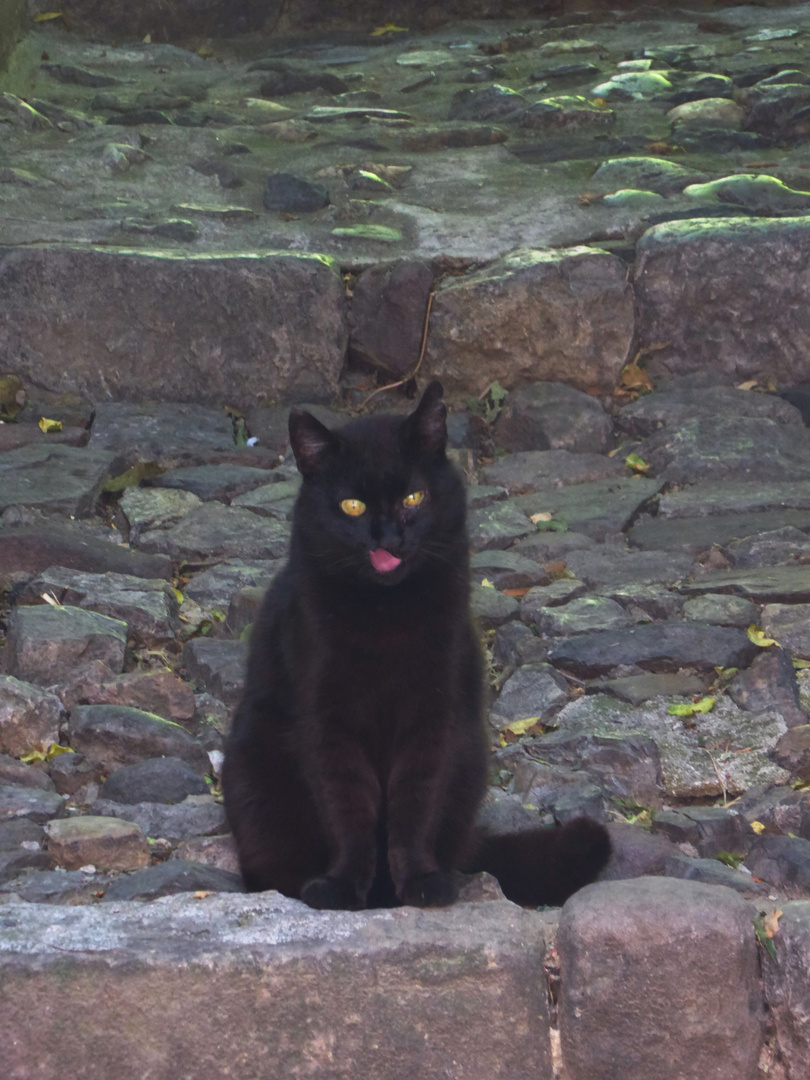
x,y
311,442
427,425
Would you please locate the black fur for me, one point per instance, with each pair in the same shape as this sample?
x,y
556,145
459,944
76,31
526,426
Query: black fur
x,y
357,759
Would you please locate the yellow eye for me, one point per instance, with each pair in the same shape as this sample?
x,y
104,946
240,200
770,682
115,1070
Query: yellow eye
x,y
413,499
353,507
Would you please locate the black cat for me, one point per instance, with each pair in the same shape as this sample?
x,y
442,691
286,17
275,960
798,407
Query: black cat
x,y
358,757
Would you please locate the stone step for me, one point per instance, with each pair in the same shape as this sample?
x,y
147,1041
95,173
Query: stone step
x,y
662,975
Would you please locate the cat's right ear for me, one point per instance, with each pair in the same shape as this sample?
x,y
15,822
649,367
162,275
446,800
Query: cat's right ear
x,y
311,442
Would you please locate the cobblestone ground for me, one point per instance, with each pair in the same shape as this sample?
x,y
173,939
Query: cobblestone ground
x,y
603,216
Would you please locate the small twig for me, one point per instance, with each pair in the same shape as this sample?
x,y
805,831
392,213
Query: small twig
x,y
719,777
412,375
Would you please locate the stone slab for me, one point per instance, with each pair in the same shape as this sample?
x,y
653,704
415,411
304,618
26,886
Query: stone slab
x,y
695,285
389,994
687,951
207,329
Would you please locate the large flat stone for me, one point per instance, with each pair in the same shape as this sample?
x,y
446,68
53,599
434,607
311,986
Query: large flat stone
x,y
725,295
115,735
389,994
208,329
685,950
765,585
661,646
47,644
147,606
597,509
57,479
26,550
533,315
697,534
725,750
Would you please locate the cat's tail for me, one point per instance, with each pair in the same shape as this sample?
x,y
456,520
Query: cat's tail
x,y
539,867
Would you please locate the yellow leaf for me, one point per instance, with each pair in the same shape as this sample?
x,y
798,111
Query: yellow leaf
x,y
389,28
201,894
637,464
689,708
54,750
520,727
487,584
47,425
757,637
46,16
749,385
32,757
770,922
634,377
179,597
545,516
758,827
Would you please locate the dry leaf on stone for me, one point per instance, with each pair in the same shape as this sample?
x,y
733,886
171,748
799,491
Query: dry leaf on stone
x,y
757,637
689,708
636,463
47,425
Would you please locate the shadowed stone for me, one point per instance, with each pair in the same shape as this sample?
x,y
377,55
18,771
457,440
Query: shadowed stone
x,y
46,644
18,801
662,646
28,715
114,735
553,416
57,479
196,815
160,780
27,550
217,666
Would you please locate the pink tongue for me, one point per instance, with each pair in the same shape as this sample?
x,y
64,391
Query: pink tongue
x,y
383,561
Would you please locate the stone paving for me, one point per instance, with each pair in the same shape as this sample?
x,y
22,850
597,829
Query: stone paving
x,y
595,228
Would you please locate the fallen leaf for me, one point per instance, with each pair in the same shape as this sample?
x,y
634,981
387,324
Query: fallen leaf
x,y
758,827
389,28
689,708
201,894
515,592
762,935
757,637
47,425
636,463
487,584
749,385
520,727
633,377
770,922
46,16
546,515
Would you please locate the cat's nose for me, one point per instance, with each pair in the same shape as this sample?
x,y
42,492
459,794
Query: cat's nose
x,y
389,538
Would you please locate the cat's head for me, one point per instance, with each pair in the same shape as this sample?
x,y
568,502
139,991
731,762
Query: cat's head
x,y
379,499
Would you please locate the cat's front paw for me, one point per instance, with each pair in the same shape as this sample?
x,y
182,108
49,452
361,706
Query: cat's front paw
x,y
436,889
332,894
